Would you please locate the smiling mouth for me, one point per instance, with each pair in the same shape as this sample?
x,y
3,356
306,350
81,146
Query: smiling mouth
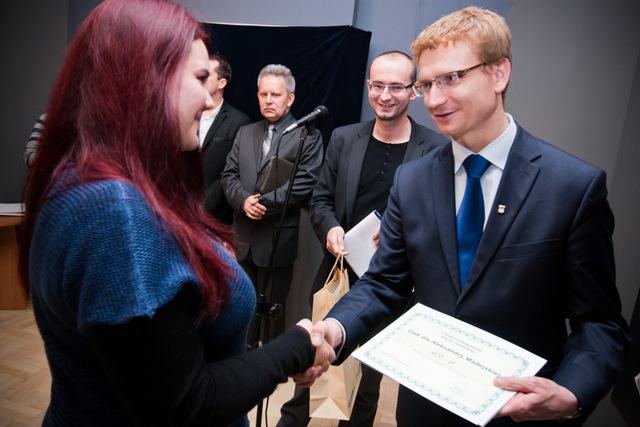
x,y
442,115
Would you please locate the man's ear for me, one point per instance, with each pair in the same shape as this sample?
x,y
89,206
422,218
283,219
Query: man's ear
x,y
502,72
222,83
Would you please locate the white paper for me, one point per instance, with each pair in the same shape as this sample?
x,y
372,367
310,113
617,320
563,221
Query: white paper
x,y
448,361
359,243
11,209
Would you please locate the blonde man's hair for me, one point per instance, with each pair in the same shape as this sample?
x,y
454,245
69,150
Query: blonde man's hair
x,y
486,32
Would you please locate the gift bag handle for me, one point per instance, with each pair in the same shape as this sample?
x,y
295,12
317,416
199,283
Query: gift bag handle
x,y
340,258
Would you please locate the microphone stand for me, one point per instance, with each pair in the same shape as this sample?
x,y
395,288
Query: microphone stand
x,y
264,308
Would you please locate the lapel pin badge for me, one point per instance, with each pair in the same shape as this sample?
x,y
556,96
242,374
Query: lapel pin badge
x,y
501,209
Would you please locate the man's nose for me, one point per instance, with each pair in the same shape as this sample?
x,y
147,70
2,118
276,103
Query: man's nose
x,y
435,97
386,93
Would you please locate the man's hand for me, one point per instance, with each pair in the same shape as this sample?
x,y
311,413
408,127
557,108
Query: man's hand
x,y
325,355
536,399
376,238
328,330
335,241
252,207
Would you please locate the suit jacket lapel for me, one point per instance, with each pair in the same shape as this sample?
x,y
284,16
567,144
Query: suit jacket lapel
x,y
355,162
215,125
517,180
414,146
258,136
285,141
444,206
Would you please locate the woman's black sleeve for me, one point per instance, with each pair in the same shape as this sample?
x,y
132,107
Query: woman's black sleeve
x,y
157,368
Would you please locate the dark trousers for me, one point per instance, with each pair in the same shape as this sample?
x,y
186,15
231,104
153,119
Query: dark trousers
x,y
266,324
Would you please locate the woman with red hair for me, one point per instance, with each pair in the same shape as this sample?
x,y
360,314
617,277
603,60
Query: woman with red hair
x,y
142,309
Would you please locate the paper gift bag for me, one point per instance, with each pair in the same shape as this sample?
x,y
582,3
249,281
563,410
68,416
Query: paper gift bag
x,y
333,394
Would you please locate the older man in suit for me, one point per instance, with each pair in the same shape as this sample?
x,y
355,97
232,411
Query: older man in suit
x,y
218,128
355,179
257,215
543,253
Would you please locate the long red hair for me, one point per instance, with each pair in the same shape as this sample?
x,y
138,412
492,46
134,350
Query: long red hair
x,y
113,114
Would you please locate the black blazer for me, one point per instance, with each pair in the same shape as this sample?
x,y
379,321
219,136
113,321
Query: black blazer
x,y
215,148
334,196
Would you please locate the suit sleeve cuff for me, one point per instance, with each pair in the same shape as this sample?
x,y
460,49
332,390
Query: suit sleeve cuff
x,y
344,340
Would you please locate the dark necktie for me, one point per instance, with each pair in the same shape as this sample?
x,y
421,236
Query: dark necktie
x,y
471,214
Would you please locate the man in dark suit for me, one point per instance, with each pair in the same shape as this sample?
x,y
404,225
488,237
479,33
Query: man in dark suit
x,y
545,255
218,128
355,179
257,215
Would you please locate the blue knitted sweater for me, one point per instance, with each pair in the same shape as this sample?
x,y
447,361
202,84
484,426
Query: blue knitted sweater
x,y
101,256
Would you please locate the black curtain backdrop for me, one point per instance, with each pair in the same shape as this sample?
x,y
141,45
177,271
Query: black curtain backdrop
x,y
328,63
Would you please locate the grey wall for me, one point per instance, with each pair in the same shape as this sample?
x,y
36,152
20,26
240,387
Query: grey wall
x,y
575,83
33,36
305,13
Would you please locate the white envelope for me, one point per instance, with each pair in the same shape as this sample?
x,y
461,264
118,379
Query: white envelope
x,y
359,243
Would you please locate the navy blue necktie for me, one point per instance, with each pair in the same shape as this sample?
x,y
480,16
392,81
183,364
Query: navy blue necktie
x,y
471,214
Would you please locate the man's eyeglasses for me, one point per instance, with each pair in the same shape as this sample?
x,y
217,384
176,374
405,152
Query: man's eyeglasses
x,y
444,81
378,88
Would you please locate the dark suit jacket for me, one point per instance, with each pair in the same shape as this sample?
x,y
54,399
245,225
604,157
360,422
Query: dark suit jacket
x,y
243,173
215,148
548,257
334,196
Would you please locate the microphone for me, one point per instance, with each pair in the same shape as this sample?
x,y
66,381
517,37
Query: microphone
x,y
320,111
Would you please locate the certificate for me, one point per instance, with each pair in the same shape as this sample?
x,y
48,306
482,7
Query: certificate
x,y
448,361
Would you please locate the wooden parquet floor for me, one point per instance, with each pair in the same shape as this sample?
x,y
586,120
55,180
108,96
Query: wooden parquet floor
x,y
385,417
25,381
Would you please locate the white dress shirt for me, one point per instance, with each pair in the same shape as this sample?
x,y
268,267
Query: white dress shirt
x,y
206,121
496,153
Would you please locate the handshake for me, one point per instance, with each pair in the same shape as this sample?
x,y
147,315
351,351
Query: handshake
x,y
326,335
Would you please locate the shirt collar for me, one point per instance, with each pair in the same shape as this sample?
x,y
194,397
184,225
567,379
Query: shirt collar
x,y
214,113
496,152
281,124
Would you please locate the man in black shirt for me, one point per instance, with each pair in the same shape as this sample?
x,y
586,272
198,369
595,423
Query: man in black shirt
x,y
355,179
